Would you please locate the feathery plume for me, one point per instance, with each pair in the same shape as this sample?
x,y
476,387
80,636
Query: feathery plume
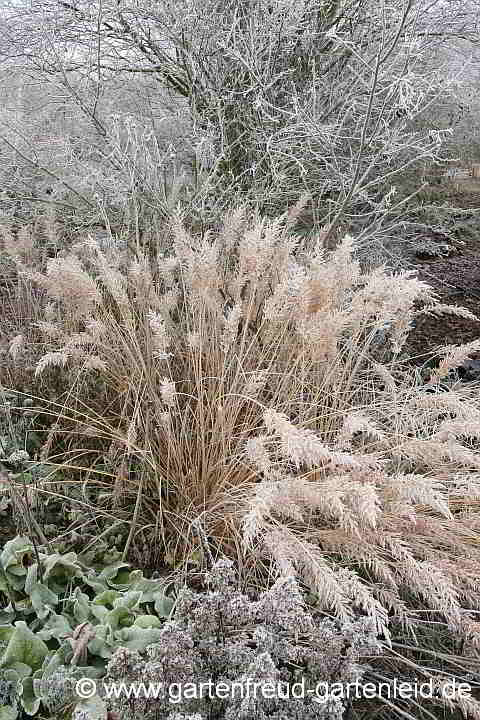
x,y
16,346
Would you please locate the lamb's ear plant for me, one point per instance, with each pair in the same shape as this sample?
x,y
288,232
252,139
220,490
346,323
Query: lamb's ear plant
x,y
60,612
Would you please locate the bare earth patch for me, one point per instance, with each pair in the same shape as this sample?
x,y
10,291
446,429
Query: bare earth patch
x,y
456,278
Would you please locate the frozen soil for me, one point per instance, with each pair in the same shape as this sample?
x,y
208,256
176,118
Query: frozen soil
x,y
454,274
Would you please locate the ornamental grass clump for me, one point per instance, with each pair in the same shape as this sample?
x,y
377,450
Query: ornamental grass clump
x,y
258,385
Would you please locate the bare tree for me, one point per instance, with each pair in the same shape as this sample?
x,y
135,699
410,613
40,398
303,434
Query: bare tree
x,y
282,98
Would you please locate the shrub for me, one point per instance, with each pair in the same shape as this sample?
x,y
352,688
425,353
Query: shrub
x,y
300,97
